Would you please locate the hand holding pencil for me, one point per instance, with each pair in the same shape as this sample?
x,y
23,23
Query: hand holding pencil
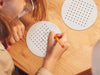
x,y
57,45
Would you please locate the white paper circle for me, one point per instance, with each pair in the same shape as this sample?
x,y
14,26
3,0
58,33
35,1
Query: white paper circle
x,y
96,59
79,14
37,37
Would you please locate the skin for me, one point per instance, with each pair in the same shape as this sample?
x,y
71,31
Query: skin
x,y
11,8
54,50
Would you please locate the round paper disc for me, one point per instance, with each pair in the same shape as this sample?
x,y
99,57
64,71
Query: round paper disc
x,y
37,37
79,14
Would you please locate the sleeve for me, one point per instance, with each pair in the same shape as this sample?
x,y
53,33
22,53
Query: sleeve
x,y
43,71
6,63
2,72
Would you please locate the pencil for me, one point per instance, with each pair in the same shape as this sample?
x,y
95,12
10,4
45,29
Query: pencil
x,y
59,41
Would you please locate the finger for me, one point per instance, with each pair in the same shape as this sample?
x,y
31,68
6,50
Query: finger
x,y
15,33
12,40
64,37
51,35
16,37
23,29
20,33
51,39
59,35
21,25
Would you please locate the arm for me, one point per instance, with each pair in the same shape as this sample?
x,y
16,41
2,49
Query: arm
x,y
18,29
54,52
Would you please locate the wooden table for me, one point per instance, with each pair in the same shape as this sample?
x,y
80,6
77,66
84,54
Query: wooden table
x,y
75,61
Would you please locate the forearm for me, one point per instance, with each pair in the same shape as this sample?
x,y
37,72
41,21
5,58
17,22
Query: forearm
x,y
43,71
50,64
48,67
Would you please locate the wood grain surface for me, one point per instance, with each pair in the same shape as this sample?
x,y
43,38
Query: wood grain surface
x,y
76,60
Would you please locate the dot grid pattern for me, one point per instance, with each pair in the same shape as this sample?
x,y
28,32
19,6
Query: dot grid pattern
x,y
79,14
37,37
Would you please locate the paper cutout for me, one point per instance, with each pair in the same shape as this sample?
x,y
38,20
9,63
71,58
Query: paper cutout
x,y
37,37
79,14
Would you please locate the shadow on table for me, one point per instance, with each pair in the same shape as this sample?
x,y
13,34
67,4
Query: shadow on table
x,y
18,71
87,72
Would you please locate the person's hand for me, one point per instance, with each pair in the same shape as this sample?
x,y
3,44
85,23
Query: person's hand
x,y
17,33
54,50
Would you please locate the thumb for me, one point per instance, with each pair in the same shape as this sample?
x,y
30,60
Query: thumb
x,y
51,35
51,40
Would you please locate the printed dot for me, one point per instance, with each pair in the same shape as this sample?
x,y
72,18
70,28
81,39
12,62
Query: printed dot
x,y
67,19
89,13
87,18
72,2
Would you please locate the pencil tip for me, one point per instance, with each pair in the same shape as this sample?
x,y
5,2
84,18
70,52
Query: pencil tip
x,y
63,46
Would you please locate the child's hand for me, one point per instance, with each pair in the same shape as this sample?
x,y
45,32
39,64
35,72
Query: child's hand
x,y
17,33
54,50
